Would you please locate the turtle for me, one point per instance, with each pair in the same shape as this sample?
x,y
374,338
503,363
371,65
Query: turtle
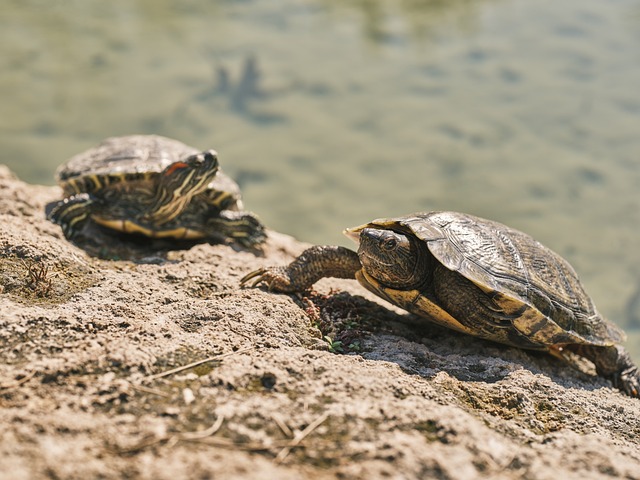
x,y
472,275
156,187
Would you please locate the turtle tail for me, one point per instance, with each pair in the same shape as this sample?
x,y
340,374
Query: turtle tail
x,y
614,363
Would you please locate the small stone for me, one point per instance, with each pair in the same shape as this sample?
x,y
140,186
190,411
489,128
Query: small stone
x,y
188,396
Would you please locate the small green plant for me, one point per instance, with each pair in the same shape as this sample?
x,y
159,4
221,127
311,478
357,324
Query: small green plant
x,y
335,346
339,317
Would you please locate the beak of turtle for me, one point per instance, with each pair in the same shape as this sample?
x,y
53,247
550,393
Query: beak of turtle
x,y
354,233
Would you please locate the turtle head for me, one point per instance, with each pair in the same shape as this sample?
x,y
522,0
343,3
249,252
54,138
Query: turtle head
x,y
189,176
394,259
180,182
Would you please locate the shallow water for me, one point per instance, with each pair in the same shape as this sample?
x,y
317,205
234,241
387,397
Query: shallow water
x,y
332,112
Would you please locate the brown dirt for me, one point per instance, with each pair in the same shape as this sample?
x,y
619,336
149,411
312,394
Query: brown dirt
x,y
331,385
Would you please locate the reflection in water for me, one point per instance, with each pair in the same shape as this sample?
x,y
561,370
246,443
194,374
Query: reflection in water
x,y
238,96
239,93
633,309
423,17
635,13
247,87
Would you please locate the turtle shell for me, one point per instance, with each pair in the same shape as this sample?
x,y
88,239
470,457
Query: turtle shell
x,y
133,158
125,155
512,268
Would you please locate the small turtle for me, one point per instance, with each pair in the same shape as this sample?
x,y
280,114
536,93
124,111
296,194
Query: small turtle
x,y
154,186
475,276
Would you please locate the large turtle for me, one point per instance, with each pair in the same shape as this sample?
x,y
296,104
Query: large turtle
x,y
473,275
154,186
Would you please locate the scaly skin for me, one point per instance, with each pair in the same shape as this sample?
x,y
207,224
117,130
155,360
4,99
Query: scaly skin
x,y
241,227
312,265
614,363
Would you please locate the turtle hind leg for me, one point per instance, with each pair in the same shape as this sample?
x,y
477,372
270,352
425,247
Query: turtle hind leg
x,y
614,363
72,213
241,227
483,314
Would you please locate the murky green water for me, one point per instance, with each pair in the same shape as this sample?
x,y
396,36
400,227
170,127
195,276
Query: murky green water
x,y
334,112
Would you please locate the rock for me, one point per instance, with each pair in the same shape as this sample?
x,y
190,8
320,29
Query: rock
x,y
90,384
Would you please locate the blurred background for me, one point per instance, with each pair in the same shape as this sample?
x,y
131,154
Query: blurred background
x,y
330,113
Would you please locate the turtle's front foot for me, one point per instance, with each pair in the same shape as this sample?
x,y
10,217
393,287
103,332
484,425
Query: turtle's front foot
x,y
312,265
71,214
275,278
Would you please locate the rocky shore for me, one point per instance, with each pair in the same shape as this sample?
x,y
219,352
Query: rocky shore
x,y
160,366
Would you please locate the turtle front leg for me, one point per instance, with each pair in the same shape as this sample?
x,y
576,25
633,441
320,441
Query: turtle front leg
x,y
242,227
613,363
72,213
312,265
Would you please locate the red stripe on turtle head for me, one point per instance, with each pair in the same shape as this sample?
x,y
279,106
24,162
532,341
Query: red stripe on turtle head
x,y
174,167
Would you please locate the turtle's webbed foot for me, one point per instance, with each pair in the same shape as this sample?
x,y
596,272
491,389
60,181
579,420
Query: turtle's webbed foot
x,y
628,381
615,363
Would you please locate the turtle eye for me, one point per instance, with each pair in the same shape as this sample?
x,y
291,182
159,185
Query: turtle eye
x,y
389,243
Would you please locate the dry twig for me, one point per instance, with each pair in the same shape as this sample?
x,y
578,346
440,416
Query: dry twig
x,y
17,383
299,437
172,440
282,425
194,436
195,364
153,391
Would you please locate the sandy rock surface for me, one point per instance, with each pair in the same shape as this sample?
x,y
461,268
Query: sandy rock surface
x,y
91,384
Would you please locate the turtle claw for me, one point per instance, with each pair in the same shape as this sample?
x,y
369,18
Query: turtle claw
x,y
629,381
250,275
275,279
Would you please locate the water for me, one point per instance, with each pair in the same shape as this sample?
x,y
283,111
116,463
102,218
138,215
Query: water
x,y
332,112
